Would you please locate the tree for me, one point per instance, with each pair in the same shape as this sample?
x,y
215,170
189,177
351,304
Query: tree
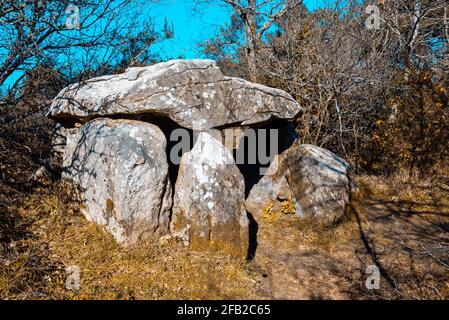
x,y
35,31
256,18
379,98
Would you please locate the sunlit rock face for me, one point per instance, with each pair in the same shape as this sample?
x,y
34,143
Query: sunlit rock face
x,y
58,143
316,181
209,201
116,152
193,93
121,169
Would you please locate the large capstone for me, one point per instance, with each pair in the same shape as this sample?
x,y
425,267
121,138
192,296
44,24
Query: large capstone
x,y
209,203
193,93
121,169
316,181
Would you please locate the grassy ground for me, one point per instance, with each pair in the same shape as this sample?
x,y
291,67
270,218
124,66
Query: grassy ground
x,y
400,224
58,236
402,227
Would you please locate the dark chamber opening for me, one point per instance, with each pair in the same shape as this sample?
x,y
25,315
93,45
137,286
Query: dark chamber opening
x,y
253,168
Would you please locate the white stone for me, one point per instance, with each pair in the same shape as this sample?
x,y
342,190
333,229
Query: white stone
x,y
193,93
209,210
121,169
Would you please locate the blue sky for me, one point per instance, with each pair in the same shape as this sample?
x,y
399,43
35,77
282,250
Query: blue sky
x,y
191,27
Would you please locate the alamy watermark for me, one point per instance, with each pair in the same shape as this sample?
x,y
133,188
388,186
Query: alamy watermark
x,y
373,21
249,147
73,280
373,280
73,20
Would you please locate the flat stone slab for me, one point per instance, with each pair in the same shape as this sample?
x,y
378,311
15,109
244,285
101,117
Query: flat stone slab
x,y
193,93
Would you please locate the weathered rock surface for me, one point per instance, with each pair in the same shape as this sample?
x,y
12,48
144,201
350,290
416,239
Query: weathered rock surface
x,y
193,93
122,171
58,142
209,210
314,179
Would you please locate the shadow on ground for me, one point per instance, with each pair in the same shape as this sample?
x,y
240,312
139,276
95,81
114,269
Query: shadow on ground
x,y
405,236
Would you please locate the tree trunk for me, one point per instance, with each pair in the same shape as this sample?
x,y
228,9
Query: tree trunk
x,y
251,40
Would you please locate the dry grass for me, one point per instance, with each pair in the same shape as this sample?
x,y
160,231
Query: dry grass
x,y
399,224
34,267
405,224
306,259
42,232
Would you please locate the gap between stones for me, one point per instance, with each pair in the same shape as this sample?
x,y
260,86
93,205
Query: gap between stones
x,y
250,172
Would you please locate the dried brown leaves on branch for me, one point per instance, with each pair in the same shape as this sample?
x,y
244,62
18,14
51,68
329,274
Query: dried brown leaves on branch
x,y
354,81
